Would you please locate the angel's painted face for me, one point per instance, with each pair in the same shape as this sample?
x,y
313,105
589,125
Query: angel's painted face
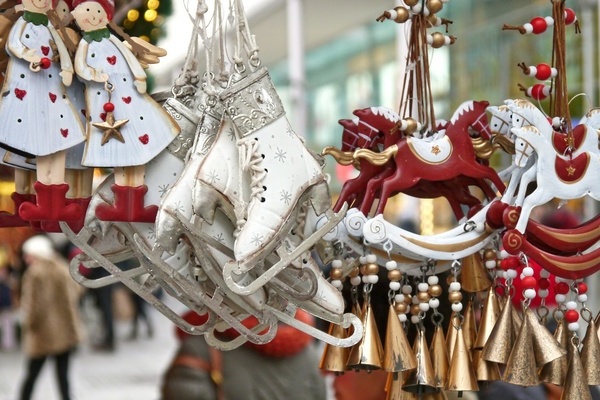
x,y
90,16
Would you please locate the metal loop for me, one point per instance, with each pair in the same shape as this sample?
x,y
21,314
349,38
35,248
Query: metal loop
x,y
461,318
542,312
575,340
387,246
469,226
589,313
439,315
391,296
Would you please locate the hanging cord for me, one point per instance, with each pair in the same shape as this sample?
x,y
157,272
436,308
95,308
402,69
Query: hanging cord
x,y
189,72
245,40
559,96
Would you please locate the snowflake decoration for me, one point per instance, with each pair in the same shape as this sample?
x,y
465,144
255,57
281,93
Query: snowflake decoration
x,y
179,207
162,189
219,238
231,134
213,177
280,155
151,233
286,197
316,174
256,240
289,130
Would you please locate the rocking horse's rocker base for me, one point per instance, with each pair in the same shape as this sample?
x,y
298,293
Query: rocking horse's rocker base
x,y
51,205
76,226
128,206
8,220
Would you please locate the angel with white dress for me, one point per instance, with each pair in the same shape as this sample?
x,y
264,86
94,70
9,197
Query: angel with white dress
x,y
37,118
125,128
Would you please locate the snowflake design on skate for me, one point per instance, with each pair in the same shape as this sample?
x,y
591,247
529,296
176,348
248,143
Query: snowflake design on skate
x,y
289,130
151,233
231,134
219,238
179,207
213,177
286,197
257,240
162,189
280,155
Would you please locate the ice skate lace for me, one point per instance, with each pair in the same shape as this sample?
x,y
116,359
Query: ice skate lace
x,y
250,160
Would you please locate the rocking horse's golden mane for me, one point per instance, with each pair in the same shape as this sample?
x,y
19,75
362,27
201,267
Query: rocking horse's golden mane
x,y
523,103
504,143
484,149
376,158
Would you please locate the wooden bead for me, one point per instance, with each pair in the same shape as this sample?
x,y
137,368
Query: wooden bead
x,y
435,290
411,3
363,269
411,126
394,275
354,272
455,297
434,6
489,254
400,308
371,269
423,297
336,273
438,40
415,309
403,15
407,299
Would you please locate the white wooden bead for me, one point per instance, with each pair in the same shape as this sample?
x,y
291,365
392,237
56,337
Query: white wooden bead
x,y
434,303
355,281
544,273
371,259
372,279
415,319
423,286
543,293
454,286
406,289
433,280
337,283
399,298
512,273
424,307
528,271
336,264
391,265
529,293
457,307
395,286
574,326
402,317
560,298
582,298
571,305
490,264
362,259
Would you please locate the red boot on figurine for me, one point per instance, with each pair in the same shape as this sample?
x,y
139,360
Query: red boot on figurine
x,y
51,205
8,220
53,226
128,206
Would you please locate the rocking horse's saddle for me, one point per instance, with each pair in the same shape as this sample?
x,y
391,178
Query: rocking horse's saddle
x,y
561,140
431,151
570,170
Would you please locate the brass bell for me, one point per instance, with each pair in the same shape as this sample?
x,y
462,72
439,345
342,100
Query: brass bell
x,y
555,371
499,345
397,354
545,347
439,357
461,376
489,316
575,387
473,274
334,358
521,366
486,371
421,379
368,352
590,353
468,326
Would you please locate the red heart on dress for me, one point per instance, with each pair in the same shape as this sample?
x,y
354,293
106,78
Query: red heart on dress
x,y
103,116
45,50
144,139
112,60
52,97
20,93
64,132
127,99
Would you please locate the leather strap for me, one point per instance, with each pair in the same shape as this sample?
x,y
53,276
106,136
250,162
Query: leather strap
x,y
214,367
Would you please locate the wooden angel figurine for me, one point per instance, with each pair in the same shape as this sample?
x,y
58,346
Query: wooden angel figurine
x,y
126,128
37,117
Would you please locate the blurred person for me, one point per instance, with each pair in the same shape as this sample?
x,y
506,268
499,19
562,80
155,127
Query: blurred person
x,y
7,322
50,317
285,368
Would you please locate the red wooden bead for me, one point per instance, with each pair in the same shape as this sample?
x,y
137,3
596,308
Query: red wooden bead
x,y
544,72
543,283
562,288
570,16
109,107
528,282
510,263
582,288
539,25
539,91
571,316
45,63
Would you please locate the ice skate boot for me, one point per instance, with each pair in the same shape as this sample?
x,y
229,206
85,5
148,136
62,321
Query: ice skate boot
x,y
284,174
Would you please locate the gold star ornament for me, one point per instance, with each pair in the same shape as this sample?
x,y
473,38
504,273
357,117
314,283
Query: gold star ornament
x,y
111,128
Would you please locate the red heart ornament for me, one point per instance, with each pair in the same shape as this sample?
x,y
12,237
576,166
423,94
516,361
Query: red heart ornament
x,y
126,100
103,116
52,97
144,139
20,93
112,60
45,50
64,132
